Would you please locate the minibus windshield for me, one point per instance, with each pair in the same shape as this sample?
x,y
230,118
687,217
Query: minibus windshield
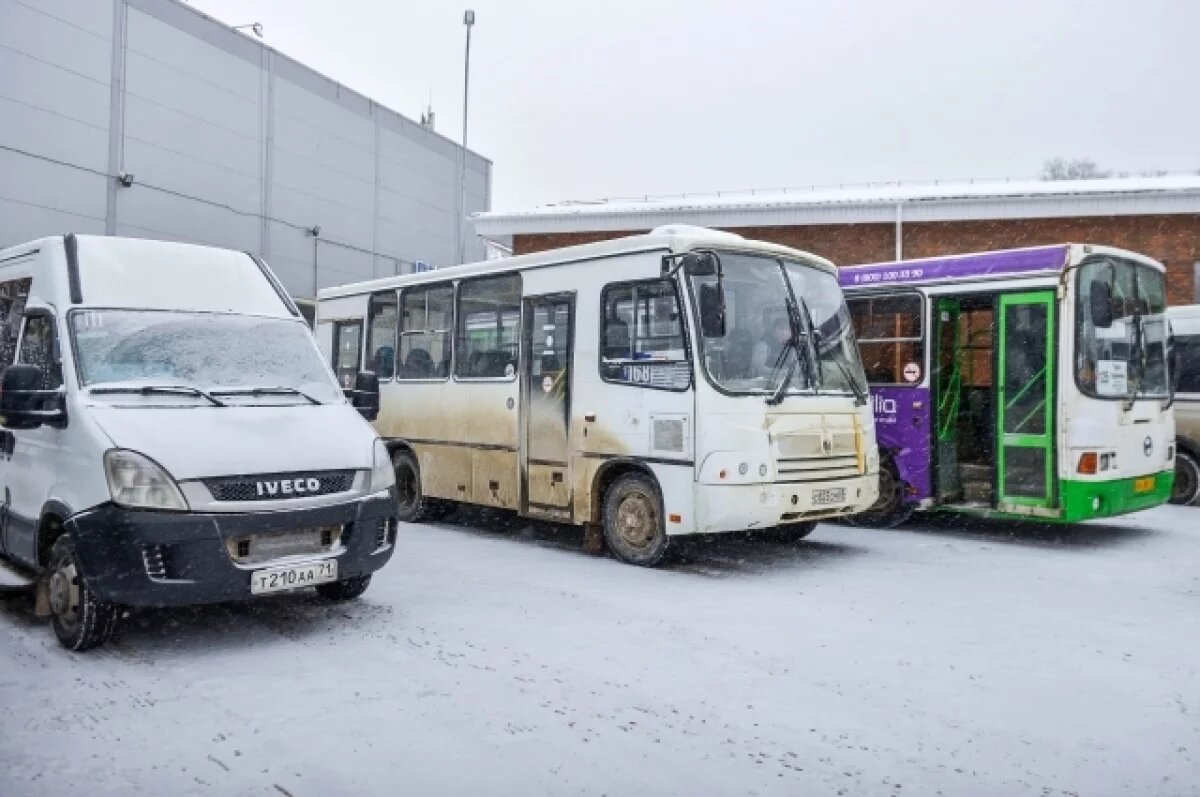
x,y
758,353
247,356
1126,358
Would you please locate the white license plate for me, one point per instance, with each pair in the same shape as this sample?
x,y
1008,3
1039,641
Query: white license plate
x,y
277,579
832,495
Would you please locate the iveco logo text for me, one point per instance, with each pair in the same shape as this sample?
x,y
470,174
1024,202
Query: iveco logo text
x,y
289,487
1147,446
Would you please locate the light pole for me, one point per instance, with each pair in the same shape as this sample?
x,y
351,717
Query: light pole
x,y
469,21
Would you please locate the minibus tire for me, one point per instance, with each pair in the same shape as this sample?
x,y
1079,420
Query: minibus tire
x,y
80,620
1187,479
345,590
890,510
633,520
411,504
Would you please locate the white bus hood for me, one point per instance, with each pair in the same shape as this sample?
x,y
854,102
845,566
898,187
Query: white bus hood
x,y
203,442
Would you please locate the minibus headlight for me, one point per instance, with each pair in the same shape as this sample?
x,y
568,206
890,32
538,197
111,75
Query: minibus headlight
x,y
383,475
138,482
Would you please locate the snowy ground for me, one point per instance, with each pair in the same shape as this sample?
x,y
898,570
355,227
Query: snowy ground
x,y
933,660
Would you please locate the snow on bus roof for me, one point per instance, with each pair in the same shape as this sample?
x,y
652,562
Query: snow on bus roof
x,y
834,204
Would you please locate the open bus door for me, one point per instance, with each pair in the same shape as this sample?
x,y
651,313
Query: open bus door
x,y
948,398
1025,401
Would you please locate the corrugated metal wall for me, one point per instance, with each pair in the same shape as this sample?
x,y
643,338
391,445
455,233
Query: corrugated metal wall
x,y
229,143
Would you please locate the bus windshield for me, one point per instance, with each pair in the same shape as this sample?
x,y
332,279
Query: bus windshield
x,y
787,330
1128,358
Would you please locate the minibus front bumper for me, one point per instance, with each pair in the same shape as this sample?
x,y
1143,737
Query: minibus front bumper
x,y
137,557
723,508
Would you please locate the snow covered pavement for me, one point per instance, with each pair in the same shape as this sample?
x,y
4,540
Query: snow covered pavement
x,y
942,658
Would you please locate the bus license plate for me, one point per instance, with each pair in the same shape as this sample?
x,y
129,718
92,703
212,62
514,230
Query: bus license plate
x,y
277,579
1144,485
832,495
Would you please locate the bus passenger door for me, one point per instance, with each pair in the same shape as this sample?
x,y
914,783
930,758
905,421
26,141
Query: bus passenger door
x,y
1026,399
547,345
948,396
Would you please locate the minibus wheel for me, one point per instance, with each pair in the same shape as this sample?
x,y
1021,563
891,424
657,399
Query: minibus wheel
x,y
890,510
80,619
412,505
633,520
1187,479
345,590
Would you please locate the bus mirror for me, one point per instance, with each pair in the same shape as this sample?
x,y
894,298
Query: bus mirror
x,y
712,311
702,264
365,396
1101,304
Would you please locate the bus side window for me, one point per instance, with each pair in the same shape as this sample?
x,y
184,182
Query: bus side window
x,y
642,325
889,337
12,309
347,351
1188,349
381,335
37,348
489,315
426,320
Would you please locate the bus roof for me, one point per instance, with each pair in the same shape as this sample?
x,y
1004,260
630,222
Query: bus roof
x,y
1016,263
671,238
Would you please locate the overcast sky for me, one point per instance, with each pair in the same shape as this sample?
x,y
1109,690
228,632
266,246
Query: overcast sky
x,y
579,100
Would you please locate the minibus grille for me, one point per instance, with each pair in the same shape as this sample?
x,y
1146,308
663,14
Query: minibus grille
x,y
280,486
816,469
258,548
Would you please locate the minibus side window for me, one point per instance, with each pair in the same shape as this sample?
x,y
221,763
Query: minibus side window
x,y
489,315
12,310
381,335
37,348
641,336
890,337
1187,348
426,322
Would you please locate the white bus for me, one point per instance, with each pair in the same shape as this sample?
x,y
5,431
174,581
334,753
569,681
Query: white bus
x,y
681,382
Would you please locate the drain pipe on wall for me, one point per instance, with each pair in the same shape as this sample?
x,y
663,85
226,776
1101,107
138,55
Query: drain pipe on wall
x,y
899,231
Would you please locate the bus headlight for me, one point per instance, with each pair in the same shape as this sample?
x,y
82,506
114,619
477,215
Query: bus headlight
x,y
137,482
735,467
383,475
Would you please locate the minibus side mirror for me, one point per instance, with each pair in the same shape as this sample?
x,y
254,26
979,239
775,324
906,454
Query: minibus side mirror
x,y
365,395
23,402
702,264
712,311
1101,304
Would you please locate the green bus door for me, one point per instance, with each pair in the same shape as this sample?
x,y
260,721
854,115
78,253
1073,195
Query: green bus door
x,y
1025,400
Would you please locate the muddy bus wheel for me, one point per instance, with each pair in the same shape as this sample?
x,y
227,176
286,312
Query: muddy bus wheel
x,y
633,520
79,618
412,504
345,590
1187,479
890,510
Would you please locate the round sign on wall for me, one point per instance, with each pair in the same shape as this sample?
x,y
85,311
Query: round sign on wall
x,y
912,372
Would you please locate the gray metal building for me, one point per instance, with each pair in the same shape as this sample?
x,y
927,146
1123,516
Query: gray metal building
x,y
226,141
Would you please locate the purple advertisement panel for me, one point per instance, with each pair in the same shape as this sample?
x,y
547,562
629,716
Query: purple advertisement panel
x,y
1017,262
902,426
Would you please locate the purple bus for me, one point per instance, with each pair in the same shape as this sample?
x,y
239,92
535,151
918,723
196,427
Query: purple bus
x,y
1029,383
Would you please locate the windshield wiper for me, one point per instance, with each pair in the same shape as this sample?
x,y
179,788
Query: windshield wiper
x,y
267,391
794,321
149,390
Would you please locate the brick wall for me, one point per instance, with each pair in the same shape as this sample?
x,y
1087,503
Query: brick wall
x,y
1173,239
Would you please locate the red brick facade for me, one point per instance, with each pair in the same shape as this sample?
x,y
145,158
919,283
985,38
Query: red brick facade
x,y
1172,239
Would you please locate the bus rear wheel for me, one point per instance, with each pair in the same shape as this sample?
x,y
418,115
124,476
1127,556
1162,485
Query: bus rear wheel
x,y
412,504
1187,479
633,520
890,510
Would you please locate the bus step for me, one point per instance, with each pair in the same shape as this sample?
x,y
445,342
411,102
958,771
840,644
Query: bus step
x,y
976,492
14,578
970,472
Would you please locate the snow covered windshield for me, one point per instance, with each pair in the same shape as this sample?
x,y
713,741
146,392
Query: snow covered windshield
x,y
206,351
1128,358
756,353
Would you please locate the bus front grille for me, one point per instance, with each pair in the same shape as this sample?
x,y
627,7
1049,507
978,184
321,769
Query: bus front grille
x,y
794,470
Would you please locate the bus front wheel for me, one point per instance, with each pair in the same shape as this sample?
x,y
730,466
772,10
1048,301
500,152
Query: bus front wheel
x,y
891,509
633,520
1187,479
412,504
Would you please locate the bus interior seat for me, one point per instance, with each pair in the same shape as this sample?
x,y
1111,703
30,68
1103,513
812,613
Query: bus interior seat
x,y
385,360
616,339
418,364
